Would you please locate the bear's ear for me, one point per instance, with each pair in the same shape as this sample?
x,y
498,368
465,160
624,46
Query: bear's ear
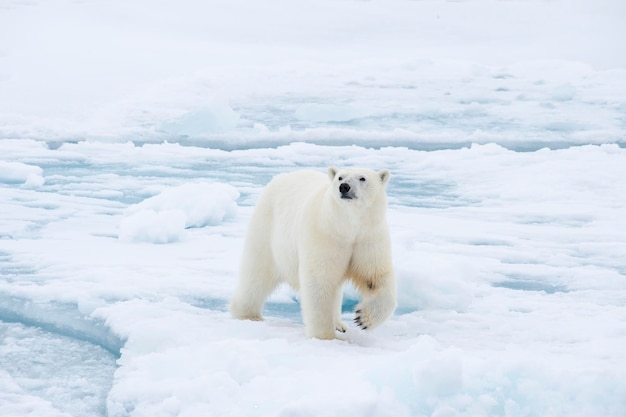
x,y
384,175
332,171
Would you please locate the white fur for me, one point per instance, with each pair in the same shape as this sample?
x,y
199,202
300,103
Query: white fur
x,y
302,232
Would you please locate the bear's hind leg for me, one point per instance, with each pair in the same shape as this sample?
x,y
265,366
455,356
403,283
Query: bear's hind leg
x,y
255,285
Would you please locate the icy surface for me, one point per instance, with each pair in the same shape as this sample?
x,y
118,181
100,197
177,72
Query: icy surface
x,y
135,138
44,374
511,270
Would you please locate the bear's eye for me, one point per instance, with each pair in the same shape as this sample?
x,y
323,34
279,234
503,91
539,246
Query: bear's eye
x,y
362,179
340,178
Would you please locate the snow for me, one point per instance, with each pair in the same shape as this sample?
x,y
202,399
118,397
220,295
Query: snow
x,y
135,139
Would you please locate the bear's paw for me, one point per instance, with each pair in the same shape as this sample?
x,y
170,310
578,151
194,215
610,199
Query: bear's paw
x,y
373,312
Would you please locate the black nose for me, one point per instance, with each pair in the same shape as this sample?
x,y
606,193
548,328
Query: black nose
x,y
344,188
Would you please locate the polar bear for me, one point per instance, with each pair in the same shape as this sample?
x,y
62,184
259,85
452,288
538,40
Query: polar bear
x,y
314,232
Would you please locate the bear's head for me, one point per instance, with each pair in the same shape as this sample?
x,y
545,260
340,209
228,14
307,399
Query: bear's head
x,y
359,186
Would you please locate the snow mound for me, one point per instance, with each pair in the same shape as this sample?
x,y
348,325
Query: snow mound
x,y
17,173
164,217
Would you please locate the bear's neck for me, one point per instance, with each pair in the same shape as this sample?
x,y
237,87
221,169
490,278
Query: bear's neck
x,y
349,220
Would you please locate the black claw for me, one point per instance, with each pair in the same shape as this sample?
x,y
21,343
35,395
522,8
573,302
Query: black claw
x,y
364,327
358,312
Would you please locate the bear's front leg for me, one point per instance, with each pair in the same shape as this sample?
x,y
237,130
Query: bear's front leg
x,y
319,302
339,325
378,303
